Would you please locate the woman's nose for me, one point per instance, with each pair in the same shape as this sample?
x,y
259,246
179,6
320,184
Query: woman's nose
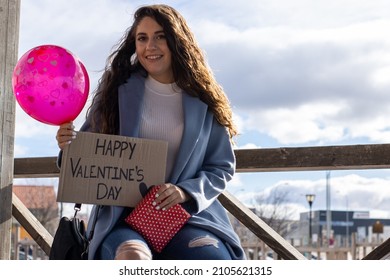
x,y
151,45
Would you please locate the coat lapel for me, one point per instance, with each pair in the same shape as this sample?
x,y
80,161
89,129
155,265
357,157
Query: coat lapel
x,y
130,97
194,116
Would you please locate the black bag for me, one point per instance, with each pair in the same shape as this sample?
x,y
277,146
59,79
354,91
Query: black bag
x,y
70,240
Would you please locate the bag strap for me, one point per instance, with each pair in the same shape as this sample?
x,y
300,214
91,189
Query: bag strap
x,y
77,208
94,222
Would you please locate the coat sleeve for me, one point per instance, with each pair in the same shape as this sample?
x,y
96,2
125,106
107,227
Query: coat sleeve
x,y
216,167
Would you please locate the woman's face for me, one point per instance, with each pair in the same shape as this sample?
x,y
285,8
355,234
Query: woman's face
x,y
152,50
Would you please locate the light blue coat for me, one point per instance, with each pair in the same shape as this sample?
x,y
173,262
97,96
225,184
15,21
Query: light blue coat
x,y
204,165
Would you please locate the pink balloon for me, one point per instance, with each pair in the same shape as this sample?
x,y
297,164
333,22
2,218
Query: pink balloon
x,y
50,84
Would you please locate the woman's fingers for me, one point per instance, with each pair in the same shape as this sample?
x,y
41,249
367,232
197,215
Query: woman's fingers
x,y
65,134
169,195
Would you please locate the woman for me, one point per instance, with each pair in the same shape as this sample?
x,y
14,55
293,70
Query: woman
x,y
157,85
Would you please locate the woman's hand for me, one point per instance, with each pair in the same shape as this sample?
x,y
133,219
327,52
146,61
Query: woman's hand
x,y
169,195
65,134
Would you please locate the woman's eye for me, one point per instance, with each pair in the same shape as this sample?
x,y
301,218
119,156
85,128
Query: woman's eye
x,y
141,38
160,37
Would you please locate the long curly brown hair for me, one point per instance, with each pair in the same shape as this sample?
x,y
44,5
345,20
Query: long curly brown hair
x,y
191,72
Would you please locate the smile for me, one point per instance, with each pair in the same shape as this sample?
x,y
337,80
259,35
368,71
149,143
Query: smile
x,y
153,57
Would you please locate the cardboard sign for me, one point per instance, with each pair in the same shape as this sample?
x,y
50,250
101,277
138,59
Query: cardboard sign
x,y
110,170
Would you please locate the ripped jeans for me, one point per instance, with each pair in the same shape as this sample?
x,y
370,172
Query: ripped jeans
x,y
190,243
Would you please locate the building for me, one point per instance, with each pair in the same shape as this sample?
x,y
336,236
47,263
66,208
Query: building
x,y
42,202
343,225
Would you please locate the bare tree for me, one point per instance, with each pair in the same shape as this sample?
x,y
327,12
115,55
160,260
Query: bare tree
x,y
273,209
47,216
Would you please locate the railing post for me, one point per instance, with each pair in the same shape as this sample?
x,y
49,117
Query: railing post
x,y
9,41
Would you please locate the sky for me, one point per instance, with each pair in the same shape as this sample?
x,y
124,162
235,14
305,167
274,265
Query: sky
x,y
298,73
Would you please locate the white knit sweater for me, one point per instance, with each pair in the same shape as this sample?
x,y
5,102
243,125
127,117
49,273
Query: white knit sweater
x,y
162,117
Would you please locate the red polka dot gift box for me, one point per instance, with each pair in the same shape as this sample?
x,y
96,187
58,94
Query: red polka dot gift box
x,y
158,227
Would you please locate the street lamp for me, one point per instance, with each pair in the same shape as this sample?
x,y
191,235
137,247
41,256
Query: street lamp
x,y
310,198
347,220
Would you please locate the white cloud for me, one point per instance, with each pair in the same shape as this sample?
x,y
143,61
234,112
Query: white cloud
x,y
381,76
310,122
305,85
235,184
27,127
248,146
20,151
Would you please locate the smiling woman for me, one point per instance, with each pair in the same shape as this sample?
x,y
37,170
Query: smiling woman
x,y
157,85
152,50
